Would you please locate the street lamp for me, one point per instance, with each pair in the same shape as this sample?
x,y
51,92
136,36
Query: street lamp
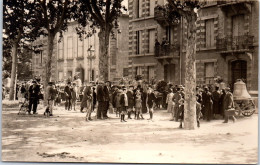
x,y
91,57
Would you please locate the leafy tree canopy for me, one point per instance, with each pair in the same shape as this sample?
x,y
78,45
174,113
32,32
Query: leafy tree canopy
x,y
101,14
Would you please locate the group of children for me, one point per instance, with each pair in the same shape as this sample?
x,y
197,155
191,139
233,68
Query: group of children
x,y
128,101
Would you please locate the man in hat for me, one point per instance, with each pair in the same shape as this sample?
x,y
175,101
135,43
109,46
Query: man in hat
x,y
207,104
101,100
229,106
106,91
33,96
50,95
176,98
216,101
74,95
67,92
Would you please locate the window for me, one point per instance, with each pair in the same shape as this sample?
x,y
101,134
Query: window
x,y
138,8
125,72
80,48
138,71
238,25
151,40
138,42
92,75
169,34
209,73
70,50
36,60
209,33
152,6
69,74
60,50
60,76
113,57
150,73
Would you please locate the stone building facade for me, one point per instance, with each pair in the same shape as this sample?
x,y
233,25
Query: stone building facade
x,y
227,43
147,59
70,57
74,56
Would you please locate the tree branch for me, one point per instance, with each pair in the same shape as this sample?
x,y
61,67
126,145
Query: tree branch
x,y
97,10
44,10
108,3
60,20
99,20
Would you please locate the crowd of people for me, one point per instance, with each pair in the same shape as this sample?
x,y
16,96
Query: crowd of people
x,y
128,100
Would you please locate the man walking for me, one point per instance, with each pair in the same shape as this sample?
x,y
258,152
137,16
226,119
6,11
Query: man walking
x,y
67,92
229,106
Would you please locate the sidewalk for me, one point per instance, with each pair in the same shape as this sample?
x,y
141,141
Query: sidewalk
x,y
68,137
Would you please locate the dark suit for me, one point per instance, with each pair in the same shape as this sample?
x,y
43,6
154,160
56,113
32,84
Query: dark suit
x,y
216,102
101,101
68,96
33,97
207,105
106,101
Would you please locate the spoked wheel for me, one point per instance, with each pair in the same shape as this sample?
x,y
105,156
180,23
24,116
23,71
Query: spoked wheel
x,y
249,109
248,113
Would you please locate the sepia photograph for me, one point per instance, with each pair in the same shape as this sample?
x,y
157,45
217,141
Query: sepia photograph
x,y
130,81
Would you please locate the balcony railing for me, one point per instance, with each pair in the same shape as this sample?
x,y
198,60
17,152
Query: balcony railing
x,y
167,50
229,2
159,16
234,43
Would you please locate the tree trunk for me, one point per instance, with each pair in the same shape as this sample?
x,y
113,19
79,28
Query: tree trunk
x,y
103,54
190,76
14,70
48,61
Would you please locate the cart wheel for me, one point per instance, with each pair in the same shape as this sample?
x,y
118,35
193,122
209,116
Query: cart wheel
x,y
248,113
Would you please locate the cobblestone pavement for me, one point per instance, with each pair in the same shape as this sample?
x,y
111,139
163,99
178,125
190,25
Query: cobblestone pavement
x,y
67,137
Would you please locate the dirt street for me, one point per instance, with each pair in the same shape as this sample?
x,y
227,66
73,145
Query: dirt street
x,y
67,137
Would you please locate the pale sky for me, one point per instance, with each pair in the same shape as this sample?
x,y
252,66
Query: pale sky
x,y
125,3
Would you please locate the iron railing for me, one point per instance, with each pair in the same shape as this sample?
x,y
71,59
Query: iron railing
x,y
235,42
167,50
227,2
159,13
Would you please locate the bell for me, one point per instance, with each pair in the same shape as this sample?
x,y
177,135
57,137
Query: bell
x,y
240,91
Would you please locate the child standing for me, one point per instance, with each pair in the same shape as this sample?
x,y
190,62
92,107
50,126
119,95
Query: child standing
x,y
138,104
150,102
124,104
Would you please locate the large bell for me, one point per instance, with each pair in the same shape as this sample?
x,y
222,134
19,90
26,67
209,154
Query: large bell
x,y
240,91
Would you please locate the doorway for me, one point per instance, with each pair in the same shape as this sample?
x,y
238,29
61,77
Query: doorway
x,y
238,71
169,72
